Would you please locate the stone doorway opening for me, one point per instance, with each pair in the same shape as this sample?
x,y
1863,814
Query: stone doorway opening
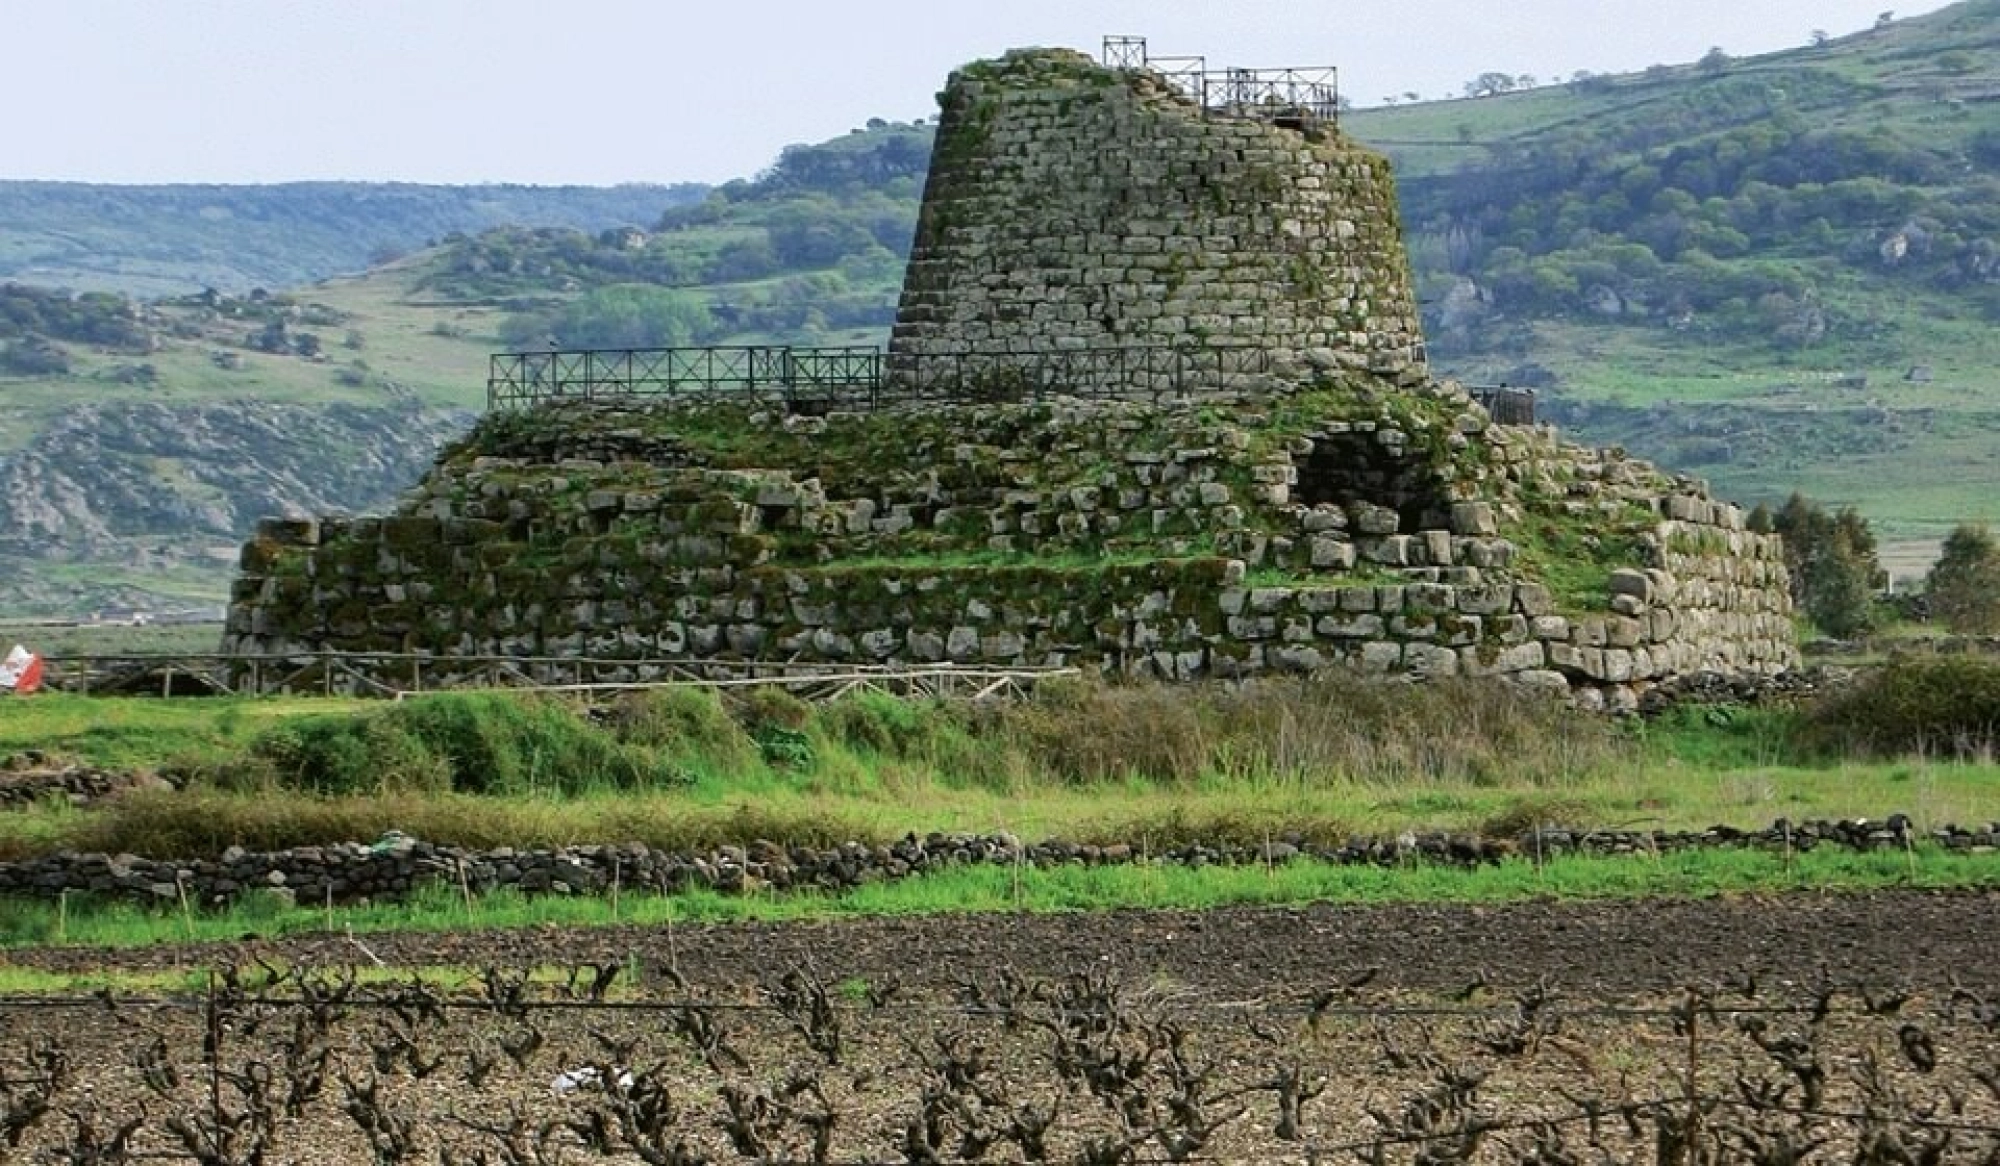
x,y
1349,468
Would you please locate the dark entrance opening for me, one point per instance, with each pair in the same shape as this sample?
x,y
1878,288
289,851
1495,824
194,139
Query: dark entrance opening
x,y
1346,468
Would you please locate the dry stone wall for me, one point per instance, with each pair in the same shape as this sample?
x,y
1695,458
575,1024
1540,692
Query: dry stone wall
x,y
1174,542
1074,206
396,866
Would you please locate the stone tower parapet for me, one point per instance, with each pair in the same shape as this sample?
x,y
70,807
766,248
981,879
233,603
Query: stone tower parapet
x,y
1073,206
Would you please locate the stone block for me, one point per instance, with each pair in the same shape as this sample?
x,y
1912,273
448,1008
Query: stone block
x,y
1474,519
1633,582
1379,656
1392,551
1429,599
1322,519
1319,600
1359,627
1374,520
1331,553
1495,599
1533,599
1430,661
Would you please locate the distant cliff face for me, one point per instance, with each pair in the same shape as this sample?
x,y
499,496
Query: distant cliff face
x,y
1074,206
159,485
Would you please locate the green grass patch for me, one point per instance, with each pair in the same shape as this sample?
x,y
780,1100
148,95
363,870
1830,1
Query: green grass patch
x,y
688,769
148,734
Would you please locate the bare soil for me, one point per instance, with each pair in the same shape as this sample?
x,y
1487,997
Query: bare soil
x,y
1599,949
1866,1027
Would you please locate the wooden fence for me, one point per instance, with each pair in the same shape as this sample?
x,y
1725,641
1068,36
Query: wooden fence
x,y
397,675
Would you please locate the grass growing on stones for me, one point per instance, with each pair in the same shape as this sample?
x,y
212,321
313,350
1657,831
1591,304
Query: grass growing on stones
x,y
988,890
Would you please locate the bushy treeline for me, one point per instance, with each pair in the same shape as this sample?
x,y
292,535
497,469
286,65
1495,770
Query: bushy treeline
x,y
1931,705
1831,563
36,322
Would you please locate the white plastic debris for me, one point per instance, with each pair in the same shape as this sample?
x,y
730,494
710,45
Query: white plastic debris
x,y
585,1077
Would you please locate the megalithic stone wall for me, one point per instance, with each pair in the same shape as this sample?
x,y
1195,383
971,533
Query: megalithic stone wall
x,y
1074,206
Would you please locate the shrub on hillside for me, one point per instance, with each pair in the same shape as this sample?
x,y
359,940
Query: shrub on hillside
x,y
1943,704
688,725
480,743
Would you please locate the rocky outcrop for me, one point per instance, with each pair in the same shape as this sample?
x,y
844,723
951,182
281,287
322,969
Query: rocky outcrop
x,y
102,473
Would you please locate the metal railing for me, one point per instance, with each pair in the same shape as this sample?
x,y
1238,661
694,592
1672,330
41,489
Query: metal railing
x,y
1290,97
1505,404
781,372
865,378
1284,96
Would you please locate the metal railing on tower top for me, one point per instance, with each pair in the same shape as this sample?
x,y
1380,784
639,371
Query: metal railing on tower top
x,y
1290,97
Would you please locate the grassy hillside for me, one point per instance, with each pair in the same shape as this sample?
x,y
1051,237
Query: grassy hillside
x,y
141,438
1781,272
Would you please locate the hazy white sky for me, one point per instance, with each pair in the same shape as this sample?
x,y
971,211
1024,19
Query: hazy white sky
x,y
608,91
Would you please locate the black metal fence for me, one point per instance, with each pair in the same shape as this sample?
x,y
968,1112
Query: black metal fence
x,y
756,372
819,380
1506,404
857,377
1292,96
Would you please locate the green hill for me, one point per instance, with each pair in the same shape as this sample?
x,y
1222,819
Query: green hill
x,y
171,240
140,438
1780,272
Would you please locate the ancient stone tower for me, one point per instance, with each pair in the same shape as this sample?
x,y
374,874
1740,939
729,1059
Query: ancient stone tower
x,y
1074,207
1155,406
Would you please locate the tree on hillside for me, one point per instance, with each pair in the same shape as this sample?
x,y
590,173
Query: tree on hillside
x,y
1831,559
1490,85
1964,586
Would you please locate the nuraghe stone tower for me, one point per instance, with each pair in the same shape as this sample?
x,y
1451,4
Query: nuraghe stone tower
x,y
1075,206
1261,478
